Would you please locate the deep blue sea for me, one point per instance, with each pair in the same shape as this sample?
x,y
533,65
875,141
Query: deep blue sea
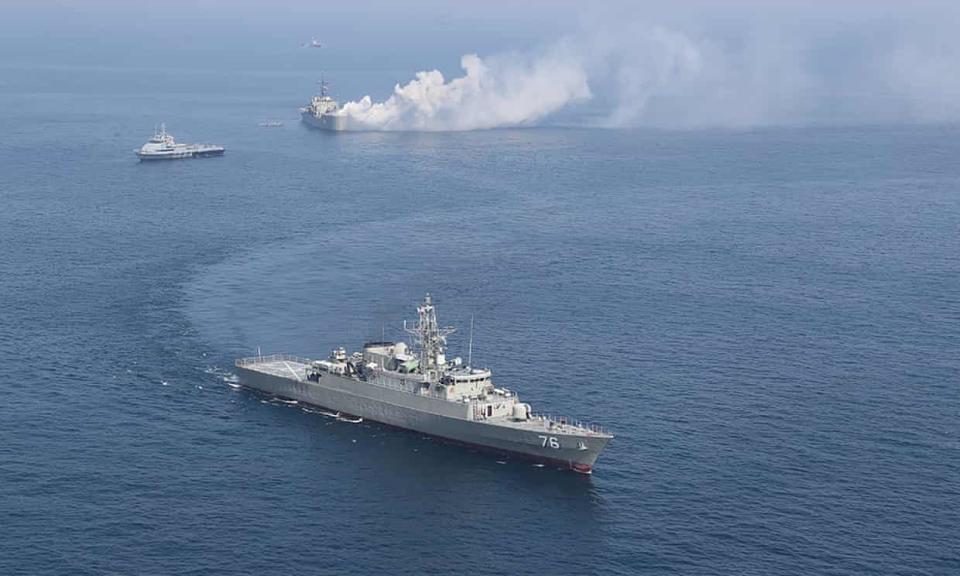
x,y
768,320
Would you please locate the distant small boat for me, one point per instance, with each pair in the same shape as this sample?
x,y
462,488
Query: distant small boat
x,y
270,124
356,420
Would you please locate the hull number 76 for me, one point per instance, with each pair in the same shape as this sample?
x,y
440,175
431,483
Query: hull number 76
x,y
549,442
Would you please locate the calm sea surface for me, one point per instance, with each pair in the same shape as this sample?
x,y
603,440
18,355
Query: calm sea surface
x,y
769,321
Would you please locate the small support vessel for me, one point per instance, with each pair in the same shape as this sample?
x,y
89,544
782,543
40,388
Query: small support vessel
x,y
162,146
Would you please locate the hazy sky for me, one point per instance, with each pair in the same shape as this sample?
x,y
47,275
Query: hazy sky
x,y
691,64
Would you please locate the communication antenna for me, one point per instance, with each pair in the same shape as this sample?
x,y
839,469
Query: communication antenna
x,y
470,347
383,339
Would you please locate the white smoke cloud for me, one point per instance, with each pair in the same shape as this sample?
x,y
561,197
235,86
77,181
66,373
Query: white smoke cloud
x,y
926,79
505,90
655,76
631,74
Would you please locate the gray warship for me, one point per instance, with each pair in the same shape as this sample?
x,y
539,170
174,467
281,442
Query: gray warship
x,y
162,146
417,388
324,112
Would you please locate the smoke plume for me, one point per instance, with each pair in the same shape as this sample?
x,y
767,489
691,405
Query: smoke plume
x,y
505,90
631,74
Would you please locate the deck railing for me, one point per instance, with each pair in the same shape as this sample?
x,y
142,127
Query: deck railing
x,y
251,360
561,423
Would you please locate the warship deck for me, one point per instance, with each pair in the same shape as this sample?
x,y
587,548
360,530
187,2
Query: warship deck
x,y
281,365
294,368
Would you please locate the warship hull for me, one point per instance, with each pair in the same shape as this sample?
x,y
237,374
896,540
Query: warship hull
x,y
331,122
446,420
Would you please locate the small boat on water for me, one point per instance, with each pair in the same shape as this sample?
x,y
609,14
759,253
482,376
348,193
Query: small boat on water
x,y
162,146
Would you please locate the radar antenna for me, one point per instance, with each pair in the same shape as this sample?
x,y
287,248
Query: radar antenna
x,y
430,340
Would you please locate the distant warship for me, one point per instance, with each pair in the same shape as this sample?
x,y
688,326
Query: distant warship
x,y
163,147
417,388
324,112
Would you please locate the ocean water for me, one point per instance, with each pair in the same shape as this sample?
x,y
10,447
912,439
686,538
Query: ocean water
x,y
768,320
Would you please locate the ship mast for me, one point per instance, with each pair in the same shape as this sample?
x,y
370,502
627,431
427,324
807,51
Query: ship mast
x,y
470,349
323,87
430,340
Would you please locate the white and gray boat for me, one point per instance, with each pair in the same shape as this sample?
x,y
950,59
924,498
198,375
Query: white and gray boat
x,y
162,146
417,388
324,112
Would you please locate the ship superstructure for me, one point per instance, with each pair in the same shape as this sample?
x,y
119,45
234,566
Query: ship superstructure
x,y
162,146
324,112
416,387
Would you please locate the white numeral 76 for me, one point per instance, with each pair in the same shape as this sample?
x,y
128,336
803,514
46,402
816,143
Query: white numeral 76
x,y
550,441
